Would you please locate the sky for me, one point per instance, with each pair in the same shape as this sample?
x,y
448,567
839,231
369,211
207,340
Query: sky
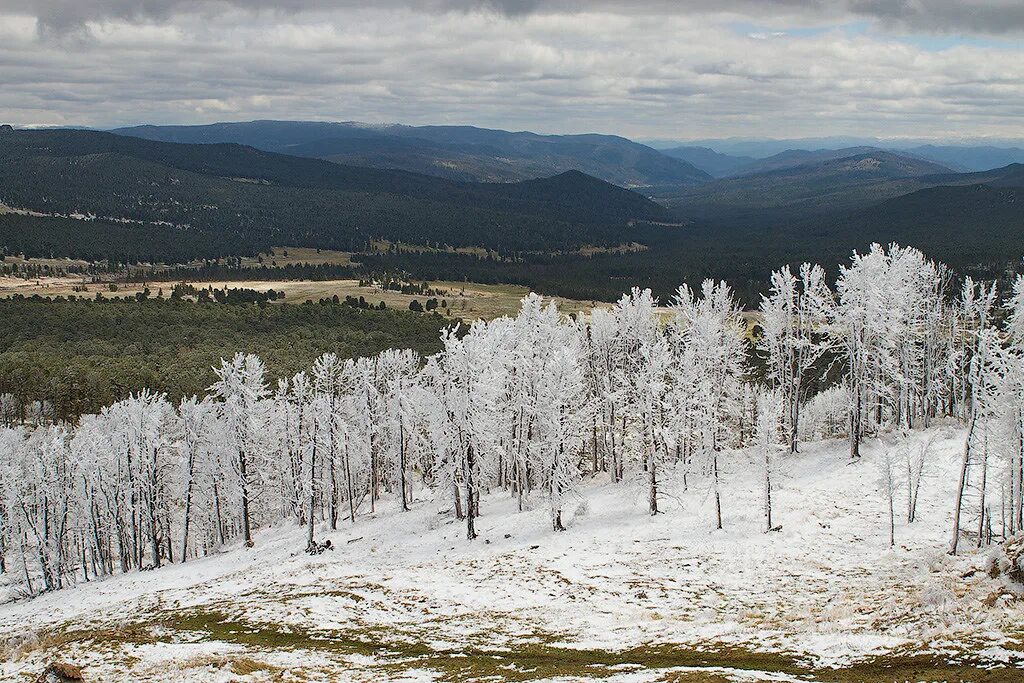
x,y
641,68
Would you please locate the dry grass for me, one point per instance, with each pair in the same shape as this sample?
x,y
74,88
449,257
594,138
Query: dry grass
x,y
240,665
385,245
466,300
53,263
293,256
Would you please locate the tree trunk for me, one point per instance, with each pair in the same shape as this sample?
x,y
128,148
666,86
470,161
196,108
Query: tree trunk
x,y
188,506
984,485
401,467
652,480
349,487
246,529
331,459
960,488
718,494
312,495
154,540
795,418
768,488
458,501
471,503
892,518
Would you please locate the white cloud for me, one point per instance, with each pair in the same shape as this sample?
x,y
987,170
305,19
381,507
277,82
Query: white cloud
x,y
539,66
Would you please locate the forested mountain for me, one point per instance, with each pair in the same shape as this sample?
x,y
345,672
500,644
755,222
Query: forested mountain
x,y
895,163
820,187
966,224
711,162
973,222
722,165
723,157
246,199
176,202
455,152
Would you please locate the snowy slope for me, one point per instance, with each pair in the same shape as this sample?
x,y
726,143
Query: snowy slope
x,y
406,597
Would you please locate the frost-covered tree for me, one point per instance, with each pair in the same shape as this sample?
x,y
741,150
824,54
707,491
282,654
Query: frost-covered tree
x,y
1012,409
562,418
794,316
888,484
241,387
977,303
144,420
332,432
888,322
915,457
468,389
399,392
646,405
195,447
766,438
710,334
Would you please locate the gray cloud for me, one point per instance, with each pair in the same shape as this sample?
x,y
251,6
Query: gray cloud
x,y
997,17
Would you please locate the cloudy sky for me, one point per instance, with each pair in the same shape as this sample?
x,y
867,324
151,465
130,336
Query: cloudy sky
x,y
641,68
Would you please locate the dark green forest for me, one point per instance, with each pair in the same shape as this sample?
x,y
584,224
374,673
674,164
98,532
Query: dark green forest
x,y
99,240
83,354
212,202
245,200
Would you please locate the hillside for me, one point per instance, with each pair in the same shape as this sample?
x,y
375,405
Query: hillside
x,y
455,152
899,163
620,596
815,188
214,200
962,224
250,199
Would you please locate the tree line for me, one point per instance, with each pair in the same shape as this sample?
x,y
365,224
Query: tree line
x,y
531,407
61,359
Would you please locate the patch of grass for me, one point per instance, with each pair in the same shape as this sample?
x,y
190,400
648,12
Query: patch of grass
x,y
284,256
237,664
696,677
523,662
899,668
537,659
94,636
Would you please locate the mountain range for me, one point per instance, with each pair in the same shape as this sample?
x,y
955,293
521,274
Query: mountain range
x,y
791,184
155,200
469,153
722,158
462,153
248,199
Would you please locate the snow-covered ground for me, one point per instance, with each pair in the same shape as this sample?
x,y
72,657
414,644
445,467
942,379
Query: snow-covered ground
x,y
619,596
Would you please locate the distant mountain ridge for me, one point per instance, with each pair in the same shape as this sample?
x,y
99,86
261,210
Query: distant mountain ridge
x,y
898,163
157,200
820,187
728,166
455,152
250,199
706,159
961,156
